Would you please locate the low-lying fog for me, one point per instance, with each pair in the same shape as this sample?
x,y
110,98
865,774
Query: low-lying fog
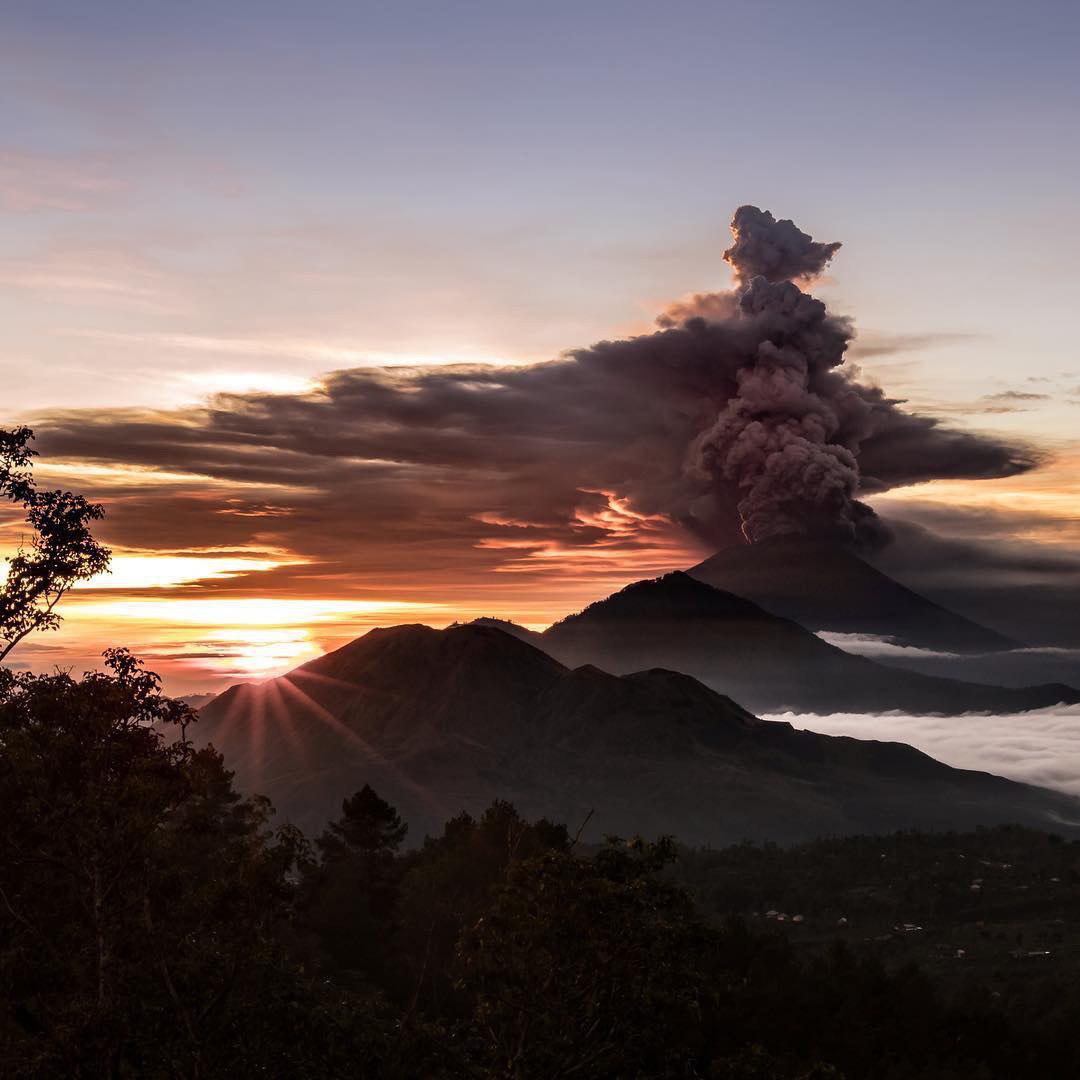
x,y
1040,747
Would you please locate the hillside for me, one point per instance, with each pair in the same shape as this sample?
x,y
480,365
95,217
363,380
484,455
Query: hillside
x,y
825,586
766,662
440,721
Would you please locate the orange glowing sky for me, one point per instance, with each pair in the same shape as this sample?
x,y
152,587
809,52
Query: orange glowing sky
x,y
204,618
205,217
239,552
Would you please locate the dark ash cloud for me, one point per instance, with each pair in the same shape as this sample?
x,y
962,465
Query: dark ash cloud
x,y
774,250
1015,395
910,448
976,562
736,417
790,436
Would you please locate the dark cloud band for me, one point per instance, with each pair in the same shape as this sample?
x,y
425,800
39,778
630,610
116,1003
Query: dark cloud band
x,y
736,415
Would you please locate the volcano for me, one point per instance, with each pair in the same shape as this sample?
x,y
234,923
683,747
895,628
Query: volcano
x,y
441,721
766,662
826,586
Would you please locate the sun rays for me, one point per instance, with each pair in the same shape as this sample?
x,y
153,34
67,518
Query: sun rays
x,y
271,728
204,642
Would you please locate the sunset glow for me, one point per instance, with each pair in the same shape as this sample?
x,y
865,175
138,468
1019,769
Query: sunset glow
x,y
247,612
328,366
1042,506
164,571
539,540
203,643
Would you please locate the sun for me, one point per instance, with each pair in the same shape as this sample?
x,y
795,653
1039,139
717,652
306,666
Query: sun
x,y
264,652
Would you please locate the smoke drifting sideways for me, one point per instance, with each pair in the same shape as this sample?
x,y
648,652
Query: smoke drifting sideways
x,y
736,419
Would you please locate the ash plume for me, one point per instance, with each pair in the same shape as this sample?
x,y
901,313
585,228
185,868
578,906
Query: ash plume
x,y
736,419
787,440
774,250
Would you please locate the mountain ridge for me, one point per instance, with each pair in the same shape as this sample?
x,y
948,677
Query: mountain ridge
x,y
826,586
767,662
411,710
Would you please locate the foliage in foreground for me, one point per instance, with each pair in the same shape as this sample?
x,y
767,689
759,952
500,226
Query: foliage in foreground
x,y
62,550
153,924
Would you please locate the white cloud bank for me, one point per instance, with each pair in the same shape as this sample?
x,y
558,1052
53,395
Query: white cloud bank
x,y
1039,747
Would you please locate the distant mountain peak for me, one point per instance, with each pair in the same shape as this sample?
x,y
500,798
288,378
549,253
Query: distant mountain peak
x,y
762,658
522,633
407,651
441,721
825,585
505,625
677,594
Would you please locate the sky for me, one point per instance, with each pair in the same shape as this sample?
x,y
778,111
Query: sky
x,y
207,210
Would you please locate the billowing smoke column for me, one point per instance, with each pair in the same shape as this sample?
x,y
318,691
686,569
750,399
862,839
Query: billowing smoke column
x,y
774,250
778,439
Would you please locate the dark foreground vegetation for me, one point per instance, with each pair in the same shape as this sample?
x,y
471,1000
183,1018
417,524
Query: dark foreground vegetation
x,y
154,924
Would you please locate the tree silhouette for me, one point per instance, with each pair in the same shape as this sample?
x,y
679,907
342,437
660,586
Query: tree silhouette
x,y
141,898
587,967
62,551
369,827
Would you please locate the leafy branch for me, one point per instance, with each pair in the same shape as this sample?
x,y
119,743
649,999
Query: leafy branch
x,y
61,552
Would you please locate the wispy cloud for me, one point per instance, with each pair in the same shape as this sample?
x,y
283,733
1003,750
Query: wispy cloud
x,y
36,182
1017,667
322,351
89,276
876,645
873,344
1041,505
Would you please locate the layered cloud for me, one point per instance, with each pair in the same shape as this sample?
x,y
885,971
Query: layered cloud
x,y
543,484
37,182
1040,747
469,466
1006,552
1025,666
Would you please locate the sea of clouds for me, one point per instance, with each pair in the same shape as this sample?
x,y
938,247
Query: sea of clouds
x,y
1039,747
